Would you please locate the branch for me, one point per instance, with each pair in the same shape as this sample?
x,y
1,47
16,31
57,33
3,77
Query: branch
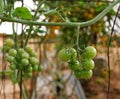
x,y
81,24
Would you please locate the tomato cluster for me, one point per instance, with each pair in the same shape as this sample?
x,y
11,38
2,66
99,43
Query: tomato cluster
x,y
82,67
21,59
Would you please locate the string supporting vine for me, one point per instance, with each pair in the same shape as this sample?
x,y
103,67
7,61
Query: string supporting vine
x,y
108,53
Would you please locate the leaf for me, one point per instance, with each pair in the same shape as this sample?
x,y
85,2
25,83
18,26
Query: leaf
x,y
101,7
112,12
23,13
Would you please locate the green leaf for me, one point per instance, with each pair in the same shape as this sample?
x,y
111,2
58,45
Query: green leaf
x,y
23,13
101,7
112,12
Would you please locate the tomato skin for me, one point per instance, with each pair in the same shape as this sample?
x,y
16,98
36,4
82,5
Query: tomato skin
x,y
21,51
24,62
29,74
64,55
28,49
73,53
83,74
12,52
40,67
74,65
12,66
9,43
35,67
34,61
90,52
29,69
10,58
88,64
25,55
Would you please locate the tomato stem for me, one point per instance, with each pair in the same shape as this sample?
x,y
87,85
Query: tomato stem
x,y
81,24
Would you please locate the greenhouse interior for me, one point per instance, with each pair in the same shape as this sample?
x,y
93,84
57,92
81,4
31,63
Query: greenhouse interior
x,y
59,49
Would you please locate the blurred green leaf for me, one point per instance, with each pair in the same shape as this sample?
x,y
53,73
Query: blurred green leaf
x,y
23,13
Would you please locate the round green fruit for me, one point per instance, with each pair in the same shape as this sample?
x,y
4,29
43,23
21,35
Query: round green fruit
x,y
74,65
25,55
12,52
28,49
10,58
21,51
90,52
24,62
83,74
73,53
12,66
34,61
40,67
88,64
64,55
35,67
29,69
9,43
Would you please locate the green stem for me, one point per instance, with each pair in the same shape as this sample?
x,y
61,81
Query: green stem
x,y
31,26
1,6
5,72
81,24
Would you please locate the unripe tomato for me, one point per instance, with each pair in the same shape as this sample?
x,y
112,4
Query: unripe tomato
x,y
73,53
9,43
40,67
29,74
12,52
74,65
33,54
64,55
34,61
21,51
29,69
35,67
88,64
90,52
24,62
28,49
10,58
12,66
25,55
83,74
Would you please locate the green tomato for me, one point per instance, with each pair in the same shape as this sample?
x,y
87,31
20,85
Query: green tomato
x,y
64,55
40,67
90,52
29,69
33,54
25,55
88,64
29,74
28,49
10,58
83,74
34,61
21,51
9,43
74,65
12,52
12,66
24,62
35,67
73,53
